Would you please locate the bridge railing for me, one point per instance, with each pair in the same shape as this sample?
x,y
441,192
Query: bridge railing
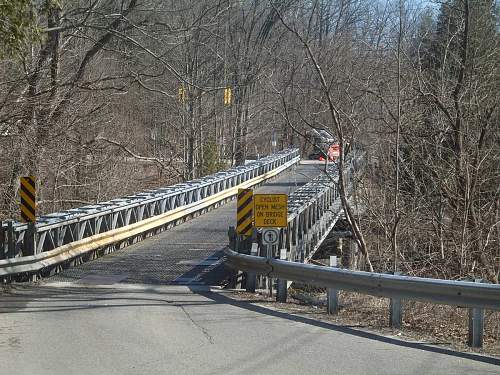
x,y
313,210
55,230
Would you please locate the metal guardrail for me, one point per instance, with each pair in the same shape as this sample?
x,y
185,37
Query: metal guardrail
x,y
55,231
455,293
313,211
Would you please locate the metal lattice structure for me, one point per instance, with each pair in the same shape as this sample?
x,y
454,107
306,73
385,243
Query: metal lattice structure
x,y
313,210
61,228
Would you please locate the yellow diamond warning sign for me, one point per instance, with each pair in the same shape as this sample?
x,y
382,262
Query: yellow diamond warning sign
x,y
270,210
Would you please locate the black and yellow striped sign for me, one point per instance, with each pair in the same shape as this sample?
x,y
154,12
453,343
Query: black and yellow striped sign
x,y
28,199
244,212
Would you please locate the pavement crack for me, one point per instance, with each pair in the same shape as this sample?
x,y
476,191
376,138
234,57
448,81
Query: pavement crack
x,y
203,330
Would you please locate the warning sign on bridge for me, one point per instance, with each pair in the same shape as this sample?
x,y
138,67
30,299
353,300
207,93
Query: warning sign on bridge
x,y
270,210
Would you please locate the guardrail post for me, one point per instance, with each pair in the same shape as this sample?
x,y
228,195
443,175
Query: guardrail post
x,y
395,308
233,244
476,325
3,241
282,291
353,255
339,247
29,240
251,279
333,294
238,275
298,249
231,233
11,240
395,313
243,245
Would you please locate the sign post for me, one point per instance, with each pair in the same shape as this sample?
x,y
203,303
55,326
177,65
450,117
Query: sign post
x,y
244,230
270,214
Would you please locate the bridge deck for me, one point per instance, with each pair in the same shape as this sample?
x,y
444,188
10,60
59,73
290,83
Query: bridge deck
x,y
188,254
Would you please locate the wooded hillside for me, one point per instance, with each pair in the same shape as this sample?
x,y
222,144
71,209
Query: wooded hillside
x,y
100,98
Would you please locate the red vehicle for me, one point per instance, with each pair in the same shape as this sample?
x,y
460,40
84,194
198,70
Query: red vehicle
x,y
332,153
325,145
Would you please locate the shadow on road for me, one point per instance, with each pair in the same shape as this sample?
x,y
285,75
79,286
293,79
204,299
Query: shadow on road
x,y
57,299
247,305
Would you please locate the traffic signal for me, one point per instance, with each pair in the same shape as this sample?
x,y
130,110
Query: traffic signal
x,y
182,94
228,96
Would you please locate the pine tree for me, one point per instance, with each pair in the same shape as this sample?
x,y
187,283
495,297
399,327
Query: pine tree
x,y
458,20
16,26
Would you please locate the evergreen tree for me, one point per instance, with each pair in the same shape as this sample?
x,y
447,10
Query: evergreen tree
x,y
468,24
16,25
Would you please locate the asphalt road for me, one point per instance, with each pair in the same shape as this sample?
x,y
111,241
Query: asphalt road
x,y
61,329
146,309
